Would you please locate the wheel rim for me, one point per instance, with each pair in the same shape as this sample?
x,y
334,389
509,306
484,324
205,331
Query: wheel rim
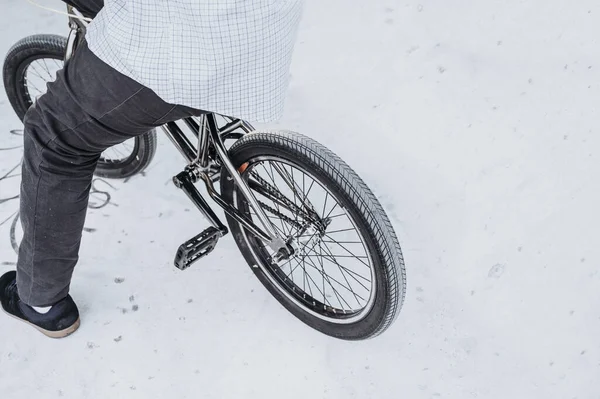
x,y
328,276
41,70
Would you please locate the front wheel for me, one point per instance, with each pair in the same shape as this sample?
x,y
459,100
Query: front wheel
x,y
32,63
346,277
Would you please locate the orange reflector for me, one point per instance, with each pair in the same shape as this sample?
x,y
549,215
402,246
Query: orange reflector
x,y
243,167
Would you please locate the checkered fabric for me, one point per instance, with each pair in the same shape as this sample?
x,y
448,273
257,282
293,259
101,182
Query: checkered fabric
x,y
231,57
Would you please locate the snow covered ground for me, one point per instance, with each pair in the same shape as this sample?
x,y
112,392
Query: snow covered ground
x,y
476,122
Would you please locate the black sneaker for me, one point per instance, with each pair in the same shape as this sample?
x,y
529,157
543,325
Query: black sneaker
x,y
61,320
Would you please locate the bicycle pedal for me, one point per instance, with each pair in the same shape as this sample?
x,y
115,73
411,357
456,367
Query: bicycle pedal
x,y
197,247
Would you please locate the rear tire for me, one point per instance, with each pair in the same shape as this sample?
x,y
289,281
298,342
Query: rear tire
x,y
357,200
53,47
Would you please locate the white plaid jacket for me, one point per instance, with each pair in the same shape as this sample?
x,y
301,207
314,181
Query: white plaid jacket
x,y
231,57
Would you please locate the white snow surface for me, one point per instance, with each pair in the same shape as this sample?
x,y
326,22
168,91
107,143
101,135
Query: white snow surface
x,y
475,122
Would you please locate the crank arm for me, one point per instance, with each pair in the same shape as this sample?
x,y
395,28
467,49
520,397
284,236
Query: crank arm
x,y
183,182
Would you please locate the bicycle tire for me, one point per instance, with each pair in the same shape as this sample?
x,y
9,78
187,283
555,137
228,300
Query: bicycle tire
x,y
360,202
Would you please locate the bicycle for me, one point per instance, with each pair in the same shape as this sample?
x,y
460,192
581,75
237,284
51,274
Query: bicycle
x,y
297,212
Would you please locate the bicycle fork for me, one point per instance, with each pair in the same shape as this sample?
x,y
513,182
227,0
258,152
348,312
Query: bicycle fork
x,y
200,168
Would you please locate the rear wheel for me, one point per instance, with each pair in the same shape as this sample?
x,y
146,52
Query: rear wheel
x,y
32,63
346,277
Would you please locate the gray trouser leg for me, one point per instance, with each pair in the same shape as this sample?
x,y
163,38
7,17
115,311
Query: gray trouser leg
x,y
89,108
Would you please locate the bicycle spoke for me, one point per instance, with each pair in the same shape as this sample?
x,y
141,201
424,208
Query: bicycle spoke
x,y
323,278
35,72
306,275
336,293
304,279
301,248
47,70
332,259
348,256
293,186
274,202
340,231
352,273
323,272
317,287
351,253
342,242
287,179
325,204
289,263
59,64
303,183
342,285
296,213
308,192
267,172
331,210
309,207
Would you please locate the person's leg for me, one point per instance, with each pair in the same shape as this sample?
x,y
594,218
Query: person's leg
x,y
89,108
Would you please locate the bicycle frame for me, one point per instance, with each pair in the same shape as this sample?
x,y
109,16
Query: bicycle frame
x,y
202,164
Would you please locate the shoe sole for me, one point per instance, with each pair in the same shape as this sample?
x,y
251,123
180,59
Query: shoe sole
x,y
52,334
